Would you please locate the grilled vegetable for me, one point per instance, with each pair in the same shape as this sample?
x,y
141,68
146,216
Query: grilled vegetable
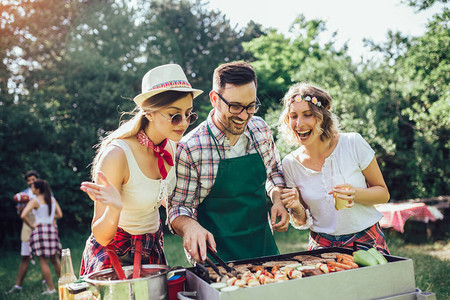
x,y
379,257
239,283
323,267
364,258
275,269
231,281
303,268
294,274
253,282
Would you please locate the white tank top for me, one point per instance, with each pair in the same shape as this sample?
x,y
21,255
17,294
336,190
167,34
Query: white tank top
x,y
41,213
141,196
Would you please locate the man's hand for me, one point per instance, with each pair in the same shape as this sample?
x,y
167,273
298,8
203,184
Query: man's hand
x,y
279,211
20,208
194,236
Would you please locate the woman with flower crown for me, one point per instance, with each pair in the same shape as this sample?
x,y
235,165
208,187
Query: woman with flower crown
x,y
334,179
133,174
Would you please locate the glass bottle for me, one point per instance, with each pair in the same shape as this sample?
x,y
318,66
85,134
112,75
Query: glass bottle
x,y
67,275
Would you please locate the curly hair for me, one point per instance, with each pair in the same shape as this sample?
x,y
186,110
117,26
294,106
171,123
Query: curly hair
x,y
327,123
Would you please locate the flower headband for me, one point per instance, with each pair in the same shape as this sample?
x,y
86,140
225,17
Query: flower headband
x,y
299,98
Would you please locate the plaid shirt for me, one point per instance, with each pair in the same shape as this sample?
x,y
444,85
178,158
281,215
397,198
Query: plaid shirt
x,y
372,235
197,162
95,256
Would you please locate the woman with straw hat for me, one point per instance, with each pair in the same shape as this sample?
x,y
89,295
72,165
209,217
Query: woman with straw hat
x,y
133,173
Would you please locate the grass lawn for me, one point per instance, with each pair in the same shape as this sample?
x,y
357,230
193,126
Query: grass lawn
x,y
431,272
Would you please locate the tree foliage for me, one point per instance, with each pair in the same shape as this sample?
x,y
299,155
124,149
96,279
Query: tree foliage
x,y
32,46
426,91
69,70
399,104
423,4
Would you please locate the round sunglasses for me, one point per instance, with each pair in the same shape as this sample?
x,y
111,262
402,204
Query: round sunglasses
x,y
178,118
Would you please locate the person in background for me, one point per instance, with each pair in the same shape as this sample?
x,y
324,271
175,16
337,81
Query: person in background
x,y
329,167
44,240
25,250
224,166
133,173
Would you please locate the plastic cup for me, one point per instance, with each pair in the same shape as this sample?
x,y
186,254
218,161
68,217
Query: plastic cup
x,y
338,202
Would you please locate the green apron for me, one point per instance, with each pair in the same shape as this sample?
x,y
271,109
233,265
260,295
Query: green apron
x,y
235,211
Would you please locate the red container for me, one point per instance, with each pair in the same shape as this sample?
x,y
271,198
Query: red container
x,y
175,286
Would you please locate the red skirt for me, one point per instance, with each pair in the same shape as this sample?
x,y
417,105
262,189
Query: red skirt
x,y
95,256
372,235
44,241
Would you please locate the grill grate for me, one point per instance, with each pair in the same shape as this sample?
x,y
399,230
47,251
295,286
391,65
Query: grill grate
x,y
202,272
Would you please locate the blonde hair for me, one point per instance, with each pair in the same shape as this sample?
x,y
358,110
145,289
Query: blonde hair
x,y
327,123
136,123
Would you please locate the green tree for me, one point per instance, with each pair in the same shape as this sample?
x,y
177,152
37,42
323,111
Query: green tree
x,y
399,104
423,4
281,61
187,33
414,100
70,68
32,44
426,88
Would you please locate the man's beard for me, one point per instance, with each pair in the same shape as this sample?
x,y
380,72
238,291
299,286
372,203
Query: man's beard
x,y
231,127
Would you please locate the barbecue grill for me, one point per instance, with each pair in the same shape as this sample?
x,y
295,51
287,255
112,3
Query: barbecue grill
x,y
394,280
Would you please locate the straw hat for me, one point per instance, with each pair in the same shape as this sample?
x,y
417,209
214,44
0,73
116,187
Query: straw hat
x,y
164,78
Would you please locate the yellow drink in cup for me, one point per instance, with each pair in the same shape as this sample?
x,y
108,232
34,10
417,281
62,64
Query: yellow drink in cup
x,y
338,202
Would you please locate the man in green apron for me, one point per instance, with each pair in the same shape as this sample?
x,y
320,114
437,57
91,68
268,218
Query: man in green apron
x,y
226,167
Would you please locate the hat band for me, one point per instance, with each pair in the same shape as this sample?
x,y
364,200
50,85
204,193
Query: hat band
x,y
172,84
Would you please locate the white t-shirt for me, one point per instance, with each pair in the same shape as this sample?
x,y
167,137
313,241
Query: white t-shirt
x,y
239,148
345,164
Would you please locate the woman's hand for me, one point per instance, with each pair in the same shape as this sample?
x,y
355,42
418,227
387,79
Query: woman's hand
x,y
345,192
291,199
105,193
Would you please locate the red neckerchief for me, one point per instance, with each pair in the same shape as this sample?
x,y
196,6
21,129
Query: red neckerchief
x,y
158,150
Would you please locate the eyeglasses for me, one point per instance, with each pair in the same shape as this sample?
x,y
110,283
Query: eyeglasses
x,y
177,118
237,109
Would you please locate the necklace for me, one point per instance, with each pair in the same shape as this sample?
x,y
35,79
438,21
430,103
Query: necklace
x,y
159,151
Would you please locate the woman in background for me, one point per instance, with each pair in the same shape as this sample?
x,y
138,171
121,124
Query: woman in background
x,y
134,174
329,168
44,240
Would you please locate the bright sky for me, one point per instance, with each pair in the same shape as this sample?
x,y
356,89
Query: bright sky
x,y
352,19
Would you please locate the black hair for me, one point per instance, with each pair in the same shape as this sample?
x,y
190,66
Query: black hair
x,y
236,73
31,173
44,188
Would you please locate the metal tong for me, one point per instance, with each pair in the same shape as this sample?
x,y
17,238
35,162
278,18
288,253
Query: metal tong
x,y
214,255
214,267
